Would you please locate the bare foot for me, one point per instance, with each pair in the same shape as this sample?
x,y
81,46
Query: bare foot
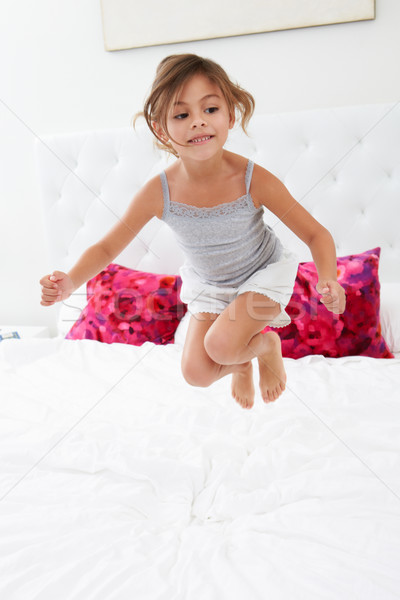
x,y
272,370
242,385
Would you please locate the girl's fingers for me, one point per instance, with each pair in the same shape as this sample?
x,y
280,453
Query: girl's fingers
x,y
45,282
327,299
50,296
49,302
50,292
50,289
330,301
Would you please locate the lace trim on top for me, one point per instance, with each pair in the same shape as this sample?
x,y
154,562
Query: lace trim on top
x,y
227,208
221,210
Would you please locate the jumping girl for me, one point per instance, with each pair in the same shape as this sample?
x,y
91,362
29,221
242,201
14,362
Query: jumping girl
x,y
237,278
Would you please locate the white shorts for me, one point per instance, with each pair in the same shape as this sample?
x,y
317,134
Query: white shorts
x,y
275,281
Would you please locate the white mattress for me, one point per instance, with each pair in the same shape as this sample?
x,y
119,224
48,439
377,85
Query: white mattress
x,y
119,481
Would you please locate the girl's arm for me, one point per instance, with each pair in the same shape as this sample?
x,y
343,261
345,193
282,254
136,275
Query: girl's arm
x,y
146,204
269,191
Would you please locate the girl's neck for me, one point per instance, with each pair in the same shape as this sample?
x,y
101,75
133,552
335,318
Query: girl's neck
x,y
199,171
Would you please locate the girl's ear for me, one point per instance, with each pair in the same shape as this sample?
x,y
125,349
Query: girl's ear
x,y
232,121
159,131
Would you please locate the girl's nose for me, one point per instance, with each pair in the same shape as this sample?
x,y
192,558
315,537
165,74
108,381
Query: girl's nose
x,y
198,122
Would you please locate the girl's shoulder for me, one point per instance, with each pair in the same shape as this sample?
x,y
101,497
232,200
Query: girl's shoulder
x,y
261,182
259,175
264,184
150,197
237,162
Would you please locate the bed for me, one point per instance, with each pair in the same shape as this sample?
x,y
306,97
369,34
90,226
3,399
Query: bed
x,y
121,481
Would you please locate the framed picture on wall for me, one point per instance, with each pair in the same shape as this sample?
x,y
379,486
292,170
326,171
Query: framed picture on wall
x,y
132,24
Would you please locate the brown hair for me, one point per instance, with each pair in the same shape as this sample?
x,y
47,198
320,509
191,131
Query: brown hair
x,y
171,75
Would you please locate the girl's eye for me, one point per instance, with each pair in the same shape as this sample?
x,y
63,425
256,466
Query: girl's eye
x,y
212,109
181,116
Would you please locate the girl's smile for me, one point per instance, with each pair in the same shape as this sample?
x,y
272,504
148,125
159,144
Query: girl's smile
x,y
201,140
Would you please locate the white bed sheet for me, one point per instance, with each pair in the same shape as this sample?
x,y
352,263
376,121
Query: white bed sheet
x,y
120,481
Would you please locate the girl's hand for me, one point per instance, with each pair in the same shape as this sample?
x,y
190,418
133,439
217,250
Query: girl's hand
x,y
333,295
56,287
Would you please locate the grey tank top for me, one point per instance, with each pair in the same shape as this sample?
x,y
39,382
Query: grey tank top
x,y
223,244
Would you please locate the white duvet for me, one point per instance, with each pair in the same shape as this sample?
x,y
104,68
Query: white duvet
x,y
121,482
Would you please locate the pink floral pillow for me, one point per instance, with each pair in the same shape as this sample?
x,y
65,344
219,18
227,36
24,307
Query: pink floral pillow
x,y
315,330
130,307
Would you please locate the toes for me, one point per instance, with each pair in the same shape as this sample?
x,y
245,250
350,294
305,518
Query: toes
x,y
268,397
244,402
273,395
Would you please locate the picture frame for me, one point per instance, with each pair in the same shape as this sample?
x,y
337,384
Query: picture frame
x,y
131,24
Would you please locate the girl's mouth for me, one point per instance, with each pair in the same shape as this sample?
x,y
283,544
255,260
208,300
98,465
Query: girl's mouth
x,y
201,139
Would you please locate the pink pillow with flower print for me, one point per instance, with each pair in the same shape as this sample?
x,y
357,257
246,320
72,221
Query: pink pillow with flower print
x,y
315,330
130,307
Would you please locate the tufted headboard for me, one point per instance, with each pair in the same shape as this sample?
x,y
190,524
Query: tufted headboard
x,y
342,164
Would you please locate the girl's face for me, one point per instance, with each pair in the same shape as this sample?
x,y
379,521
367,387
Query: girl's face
x,y
198,121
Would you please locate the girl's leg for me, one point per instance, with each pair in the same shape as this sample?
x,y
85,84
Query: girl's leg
x,y
200,370
235,338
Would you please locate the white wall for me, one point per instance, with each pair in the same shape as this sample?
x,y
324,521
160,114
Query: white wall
x,y
56,77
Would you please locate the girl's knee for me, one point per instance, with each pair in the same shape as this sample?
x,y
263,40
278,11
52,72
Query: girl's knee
x,y
220,348
196,375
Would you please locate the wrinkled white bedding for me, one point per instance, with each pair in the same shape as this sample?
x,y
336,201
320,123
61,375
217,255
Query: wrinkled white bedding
x,y
121,482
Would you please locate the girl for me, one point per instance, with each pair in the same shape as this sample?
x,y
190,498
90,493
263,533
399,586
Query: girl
x,y
238,278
